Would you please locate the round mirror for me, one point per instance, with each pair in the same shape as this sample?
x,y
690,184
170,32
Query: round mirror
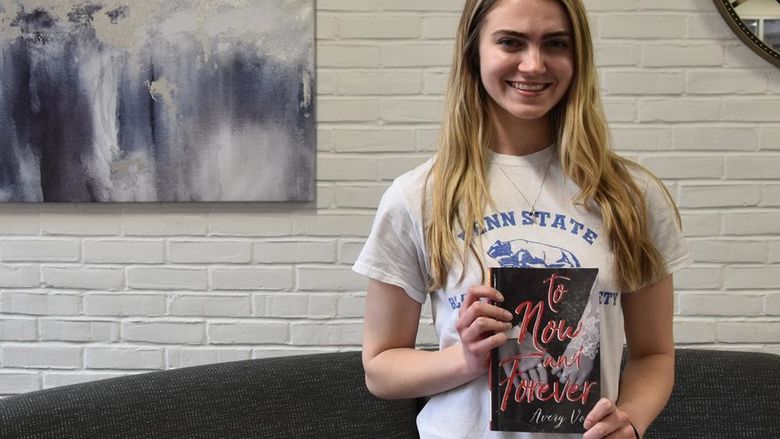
x,y
756,23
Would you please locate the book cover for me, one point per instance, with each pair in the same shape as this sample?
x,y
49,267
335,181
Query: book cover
x,y
546,377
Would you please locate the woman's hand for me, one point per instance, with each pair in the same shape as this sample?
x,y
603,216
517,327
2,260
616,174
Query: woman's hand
x,y
481,326
608,420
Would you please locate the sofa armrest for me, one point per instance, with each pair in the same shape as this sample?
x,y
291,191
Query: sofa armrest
x,y
320,395
722,394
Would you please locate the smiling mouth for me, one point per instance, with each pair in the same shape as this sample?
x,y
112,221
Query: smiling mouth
x,y
525,86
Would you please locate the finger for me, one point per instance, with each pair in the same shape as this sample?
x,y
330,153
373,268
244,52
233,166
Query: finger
x,y
525,376
478,292
485,345
581,377
603,408
543,374
480,309
613,425
483,327
533,374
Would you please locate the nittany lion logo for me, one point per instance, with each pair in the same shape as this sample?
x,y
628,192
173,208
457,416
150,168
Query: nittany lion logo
x,y
523,253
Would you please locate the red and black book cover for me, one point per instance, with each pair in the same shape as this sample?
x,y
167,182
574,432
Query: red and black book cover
x,y
545,378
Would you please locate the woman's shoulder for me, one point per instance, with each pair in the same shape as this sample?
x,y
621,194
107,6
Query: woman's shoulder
x,y
412,184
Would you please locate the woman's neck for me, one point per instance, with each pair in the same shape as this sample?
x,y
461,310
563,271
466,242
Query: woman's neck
x,y
515,136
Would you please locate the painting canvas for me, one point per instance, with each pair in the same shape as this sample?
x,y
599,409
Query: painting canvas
x,y
152,100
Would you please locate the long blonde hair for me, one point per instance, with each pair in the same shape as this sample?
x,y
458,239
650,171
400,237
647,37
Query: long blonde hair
x,y
458,179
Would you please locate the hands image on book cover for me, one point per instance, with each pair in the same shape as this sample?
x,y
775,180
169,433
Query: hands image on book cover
x,y
545,378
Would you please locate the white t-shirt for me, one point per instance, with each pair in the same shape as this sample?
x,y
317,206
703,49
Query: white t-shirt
x,y
564,234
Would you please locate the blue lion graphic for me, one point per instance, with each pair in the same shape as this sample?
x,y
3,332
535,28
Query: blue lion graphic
x,y
523,253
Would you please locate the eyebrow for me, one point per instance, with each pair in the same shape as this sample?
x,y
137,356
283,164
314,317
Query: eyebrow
x,y
525,36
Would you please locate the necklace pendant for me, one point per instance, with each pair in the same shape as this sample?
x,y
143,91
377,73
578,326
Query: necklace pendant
x,y
533,216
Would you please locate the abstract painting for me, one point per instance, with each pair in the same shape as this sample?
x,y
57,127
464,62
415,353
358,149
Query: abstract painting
x,y
156,100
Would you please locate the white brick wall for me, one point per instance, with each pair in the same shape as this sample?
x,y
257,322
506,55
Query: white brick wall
x,y
95,291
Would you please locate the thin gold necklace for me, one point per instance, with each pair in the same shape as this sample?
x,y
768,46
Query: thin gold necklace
x,y
538,192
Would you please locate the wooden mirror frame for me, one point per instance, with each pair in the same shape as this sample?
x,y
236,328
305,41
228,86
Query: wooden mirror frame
x,y
744,34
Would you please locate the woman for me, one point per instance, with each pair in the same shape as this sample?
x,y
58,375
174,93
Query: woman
x,y
523,174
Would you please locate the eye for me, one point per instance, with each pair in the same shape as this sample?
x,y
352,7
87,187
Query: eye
x,y
509,43
558,43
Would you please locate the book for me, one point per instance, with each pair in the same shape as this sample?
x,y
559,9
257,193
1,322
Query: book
x,y
546,377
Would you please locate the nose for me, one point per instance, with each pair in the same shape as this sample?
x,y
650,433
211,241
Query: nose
x,y
532,61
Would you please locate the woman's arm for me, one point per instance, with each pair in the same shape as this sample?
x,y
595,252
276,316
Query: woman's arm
x,y
395,369
649,376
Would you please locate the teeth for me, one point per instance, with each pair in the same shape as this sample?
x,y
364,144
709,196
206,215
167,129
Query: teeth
x,y
528,87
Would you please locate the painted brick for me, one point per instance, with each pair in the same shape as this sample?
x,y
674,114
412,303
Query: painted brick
x,y
440,26
39,303
123,358
770,138
412,110
83,277
678,110
204,252
347,110
753,167
42,356
244,224
383,140
722,304
333,225
638,139
208,306
177,357
359,195
340,167
749,331
351,305
19,276
773,304
125,251
19,382
40,250
142,222
340,55
645,25
701,224
326,334
249,333
715,138
641,82
335,278
694,331
428,5
287,306
19,219
349,251
765,277
751,223
79,331
163,332
742,81
386,82
384,26
678,55
323,306
124,304
733,195
15,329
295,251
616,54
729,250
252,278
750,109
161,278
417,55
58,379
698,278
676,166
68,220
393,166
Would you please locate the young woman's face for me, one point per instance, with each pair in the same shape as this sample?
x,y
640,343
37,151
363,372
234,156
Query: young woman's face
x,y
526,57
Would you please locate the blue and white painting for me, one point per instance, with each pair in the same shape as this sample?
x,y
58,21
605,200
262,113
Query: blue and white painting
x,y
156,100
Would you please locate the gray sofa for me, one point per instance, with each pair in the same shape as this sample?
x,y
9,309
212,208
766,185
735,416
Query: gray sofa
x,y
717,395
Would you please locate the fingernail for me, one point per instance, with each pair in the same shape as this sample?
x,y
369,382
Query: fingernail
x,y
499,297
508,314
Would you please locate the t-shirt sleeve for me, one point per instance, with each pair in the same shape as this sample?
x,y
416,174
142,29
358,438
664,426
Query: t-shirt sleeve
x,y
394,253
664,231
